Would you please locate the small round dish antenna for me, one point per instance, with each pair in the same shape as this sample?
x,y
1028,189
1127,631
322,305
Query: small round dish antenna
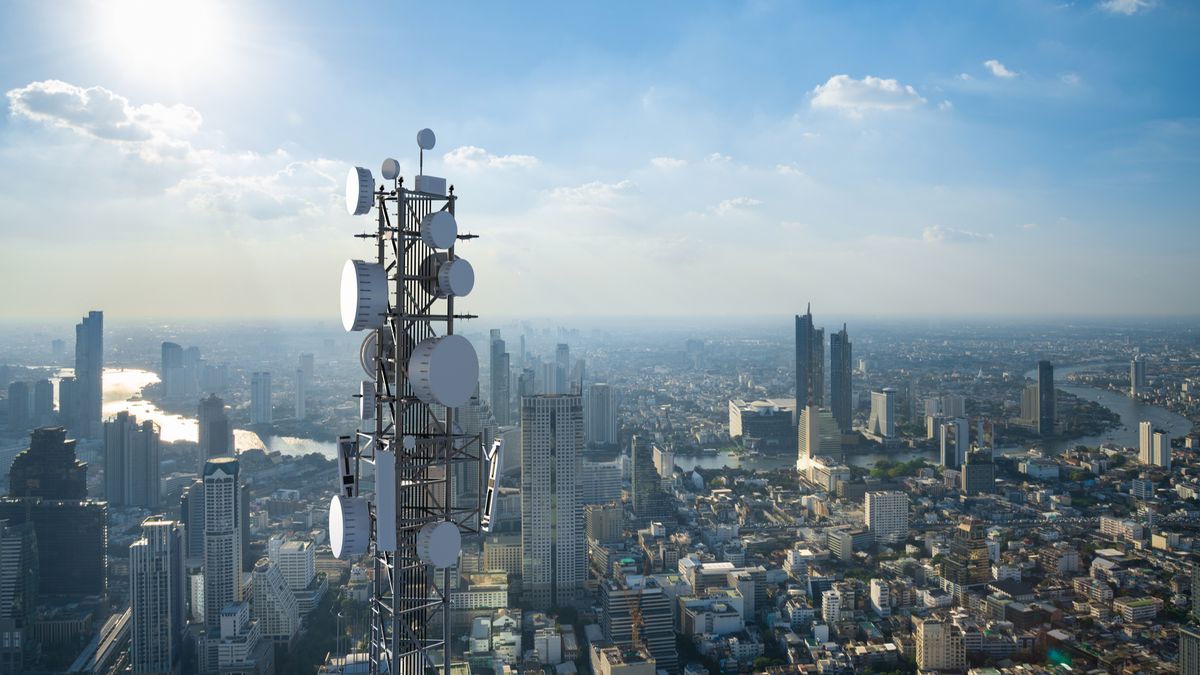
x,y
359,186
444,370
426,139
390,169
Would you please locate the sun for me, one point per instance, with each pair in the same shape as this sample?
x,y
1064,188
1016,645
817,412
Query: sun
x,y
165,38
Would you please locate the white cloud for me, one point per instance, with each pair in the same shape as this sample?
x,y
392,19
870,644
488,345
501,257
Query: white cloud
x,y
668,162
998,69
730,206
1029,226
790,170
718,158
945,105
854,97
472,158
153,132
1070,79
595,193
964,77
1126,7
936,234
250,186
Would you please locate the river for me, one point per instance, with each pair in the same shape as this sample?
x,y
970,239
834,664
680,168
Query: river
x,y
122,391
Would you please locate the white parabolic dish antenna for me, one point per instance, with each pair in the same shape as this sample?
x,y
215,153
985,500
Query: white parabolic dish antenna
x,y
391,169
349,526
444,370
364,295
359,188
426,139
439,229
439,544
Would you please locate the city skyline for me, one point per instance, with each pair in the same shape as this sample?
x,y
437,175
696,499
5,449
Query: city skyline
x,y
944,157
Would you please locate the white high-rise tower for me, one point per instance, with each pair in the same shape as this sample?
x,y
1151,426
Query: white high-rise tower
x,y
260,398
157,597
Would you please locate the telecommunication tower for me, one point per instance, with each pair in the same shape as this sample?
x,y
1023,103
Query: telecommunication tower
x,y
417,372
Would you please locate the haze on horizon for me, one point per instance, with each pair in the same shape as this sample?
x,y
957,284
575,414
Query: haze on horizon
x,y
180,159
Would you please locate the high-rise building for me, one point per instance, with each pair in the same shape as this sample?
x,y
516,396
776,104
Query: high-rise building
x,y
818,435
238,645
553,563
274,603
886,515
881,597
562,369
297,563
301,410
261,411
882,422
1047,410
810,362
978,473
68,402
638,611
1189,650
18,593
191,514
306,366
171,370
222,538
501,380
157,597
968,563
603,522
72,540
600,415
89,373
1154,446
840,372
131,452
48,468
1196,592
19,404
474,421
954,443
43,403
940,645
649,501
1137,376
216,432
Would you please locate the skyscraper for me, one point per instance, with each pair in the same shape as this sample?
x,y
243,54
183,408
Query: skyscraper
x,y
882,422
552,542
810,368
940,645
191,514
301,410
222,538
43,403
1137,376
1189,650
216,433
1046,399
89,372
18,592
131,452
562,369
649,502
19,399
818,435
171,369
260,398
967,564
978,473
274,603
600,416
953,439
886,515
48,468
840,371
638,610
157,597
501,375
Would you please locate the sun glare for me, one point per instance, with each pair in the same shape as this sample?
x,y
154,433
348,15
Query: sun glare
x,y
165,38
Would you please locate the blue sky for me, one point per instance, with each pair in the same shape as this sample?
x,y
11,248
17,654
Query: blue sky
x,y
173,159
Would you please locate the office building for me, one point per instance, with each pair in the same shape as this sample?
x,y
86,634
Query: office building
x,y
171,370
216,432
191,514
810,362
274,604
882,422
978,474
881,597
1154,446
43,403
562,370
48,468
501,379
260,399
19,405
602,522
222,538
768,424
301,410
940,645
954,443
72,541
841,401
818,435
1046,399
89,372
600,415
18,593
297,563
886,515
604,482
553,562
649,501
240,646
131,453
1137,376
157,597
638,611
1189,650
968,563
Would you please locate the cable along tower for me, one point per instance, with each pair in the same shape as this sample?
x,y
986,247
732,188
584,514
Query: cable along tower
x,y
417,371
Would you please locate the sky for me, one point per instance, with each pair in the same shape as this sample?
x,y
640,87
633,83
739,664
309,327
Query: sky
x,y
187,160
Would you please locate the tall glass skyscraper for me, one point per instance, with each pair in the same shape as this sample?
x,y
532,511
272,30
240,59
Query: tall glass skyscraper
x,y
840,370
1046,402
810,366
89,369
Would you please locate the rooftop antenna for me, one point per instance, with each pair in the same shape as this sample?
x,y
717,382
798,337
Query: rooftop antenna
x,y
417,372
